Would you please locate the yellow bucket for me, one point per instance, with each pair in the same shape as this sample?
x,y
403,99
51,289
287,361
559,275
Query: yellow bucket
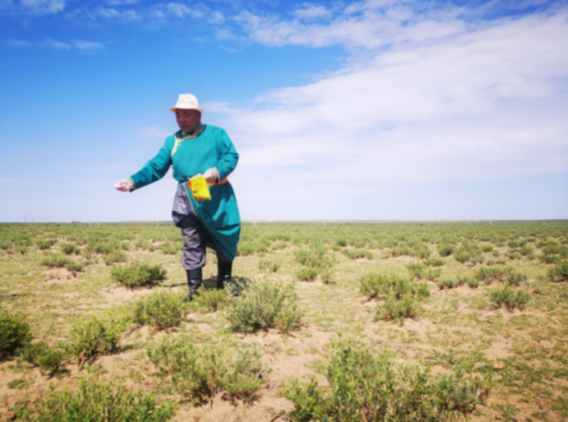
x,y
198,187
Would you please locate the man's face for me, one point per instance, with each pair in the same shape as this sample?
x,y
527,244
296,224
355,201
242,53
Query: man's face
x,y
188,120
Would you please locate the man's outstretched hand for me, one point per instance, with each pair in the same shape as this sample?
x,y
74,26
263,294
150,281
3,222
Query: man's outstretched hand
x,y
125,185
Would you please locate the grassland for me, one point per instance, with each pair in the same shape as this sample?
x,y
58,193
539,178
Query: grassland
x,y
337,321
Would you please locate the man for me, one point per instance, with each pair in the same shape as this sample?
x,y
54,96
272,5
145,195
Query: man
x,y
198,149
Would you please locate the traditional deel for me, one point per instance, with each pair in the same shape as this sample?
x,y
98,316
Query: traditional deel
x,y
191,155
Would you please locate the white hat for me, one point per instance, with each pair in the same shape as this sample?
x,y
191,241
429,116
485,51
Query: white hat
x,y
186,102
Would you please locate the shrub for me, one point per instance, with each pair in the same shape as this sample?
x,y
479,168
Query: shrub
x,y
559,272
549,259
507,275
160,310
357,253
194,373
434,262
510,298
487,248
306,274
366,386
446,284
462,256
92,338
49,360
211,300
268,265
314,257
15,333
245,374
396,310
97,401
170,248
70,249
56,261
383,285
114,257
138,274
515,255
199,373
75,265
265,305
445,250
45,244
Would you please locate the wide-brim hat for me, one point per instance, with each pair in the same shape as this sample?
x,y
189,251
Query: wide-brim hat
x,y
186,102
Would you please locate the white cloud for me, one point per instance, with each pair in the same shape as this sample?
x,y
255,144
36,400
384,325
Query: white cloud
x,y
216,17
123,15
57,45
121,2
18,43
178,9
43,6
443,103
311,12
88,46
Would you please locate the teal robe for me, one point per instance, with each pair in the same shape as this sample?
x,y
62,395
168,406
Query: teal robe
x,y
209,147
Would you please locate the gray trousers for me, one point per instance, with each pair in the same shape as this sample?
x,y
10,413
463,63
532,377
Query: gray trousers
x,y
195,241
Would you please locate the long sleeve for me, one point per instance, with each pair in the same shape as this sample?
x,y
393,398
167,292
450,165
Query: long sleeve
x,y
154,169
229,156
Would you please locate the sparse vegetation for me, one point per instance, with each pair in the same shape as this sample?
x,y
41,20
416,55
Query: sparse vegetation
x,y
488,317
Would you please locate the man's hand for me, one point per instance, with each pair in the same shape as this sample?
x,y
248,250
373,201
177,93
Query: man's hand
x,y
125,185
211,175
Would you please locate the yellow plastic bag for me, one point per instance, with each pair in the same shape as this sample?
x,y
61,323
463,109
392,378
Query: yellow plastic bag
x,y
198,187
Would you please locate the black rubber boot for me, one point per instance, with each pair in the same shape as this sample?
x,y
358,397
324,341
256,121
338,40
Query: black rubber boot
x,y
224,274
194,280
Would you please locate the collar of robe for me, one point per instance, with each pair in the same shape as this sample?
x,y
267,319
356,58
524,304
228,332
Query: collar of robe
x,y
182,136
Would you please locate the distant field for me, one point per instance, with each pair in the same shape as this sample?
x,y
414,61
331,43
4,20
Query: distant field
x,y
336,321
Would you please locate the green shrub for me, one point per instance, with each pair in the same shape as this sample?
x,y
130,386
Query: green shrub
x,y
145,244
265,305
194,372
515,255
509,297
366,386
70,249
104,247
200,373
446,284
314,257
445,250
462,256
398,309
56,261
49,360
114,257
97,401
559,272
487,248
383,285
268,265
495,253
170,248
92,338
506,275
307,273
73,265
245,375
160,310
357,254
211,300
549,259
15,333
138,275
434,262
45,244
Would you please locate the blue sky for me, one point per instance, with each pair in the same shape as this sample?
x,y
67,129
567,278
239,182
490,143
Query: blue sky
x,y
363,110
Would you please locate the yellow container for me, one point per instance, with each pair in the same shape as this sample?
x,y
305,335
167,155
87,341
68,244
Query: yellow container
x,y
198,187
